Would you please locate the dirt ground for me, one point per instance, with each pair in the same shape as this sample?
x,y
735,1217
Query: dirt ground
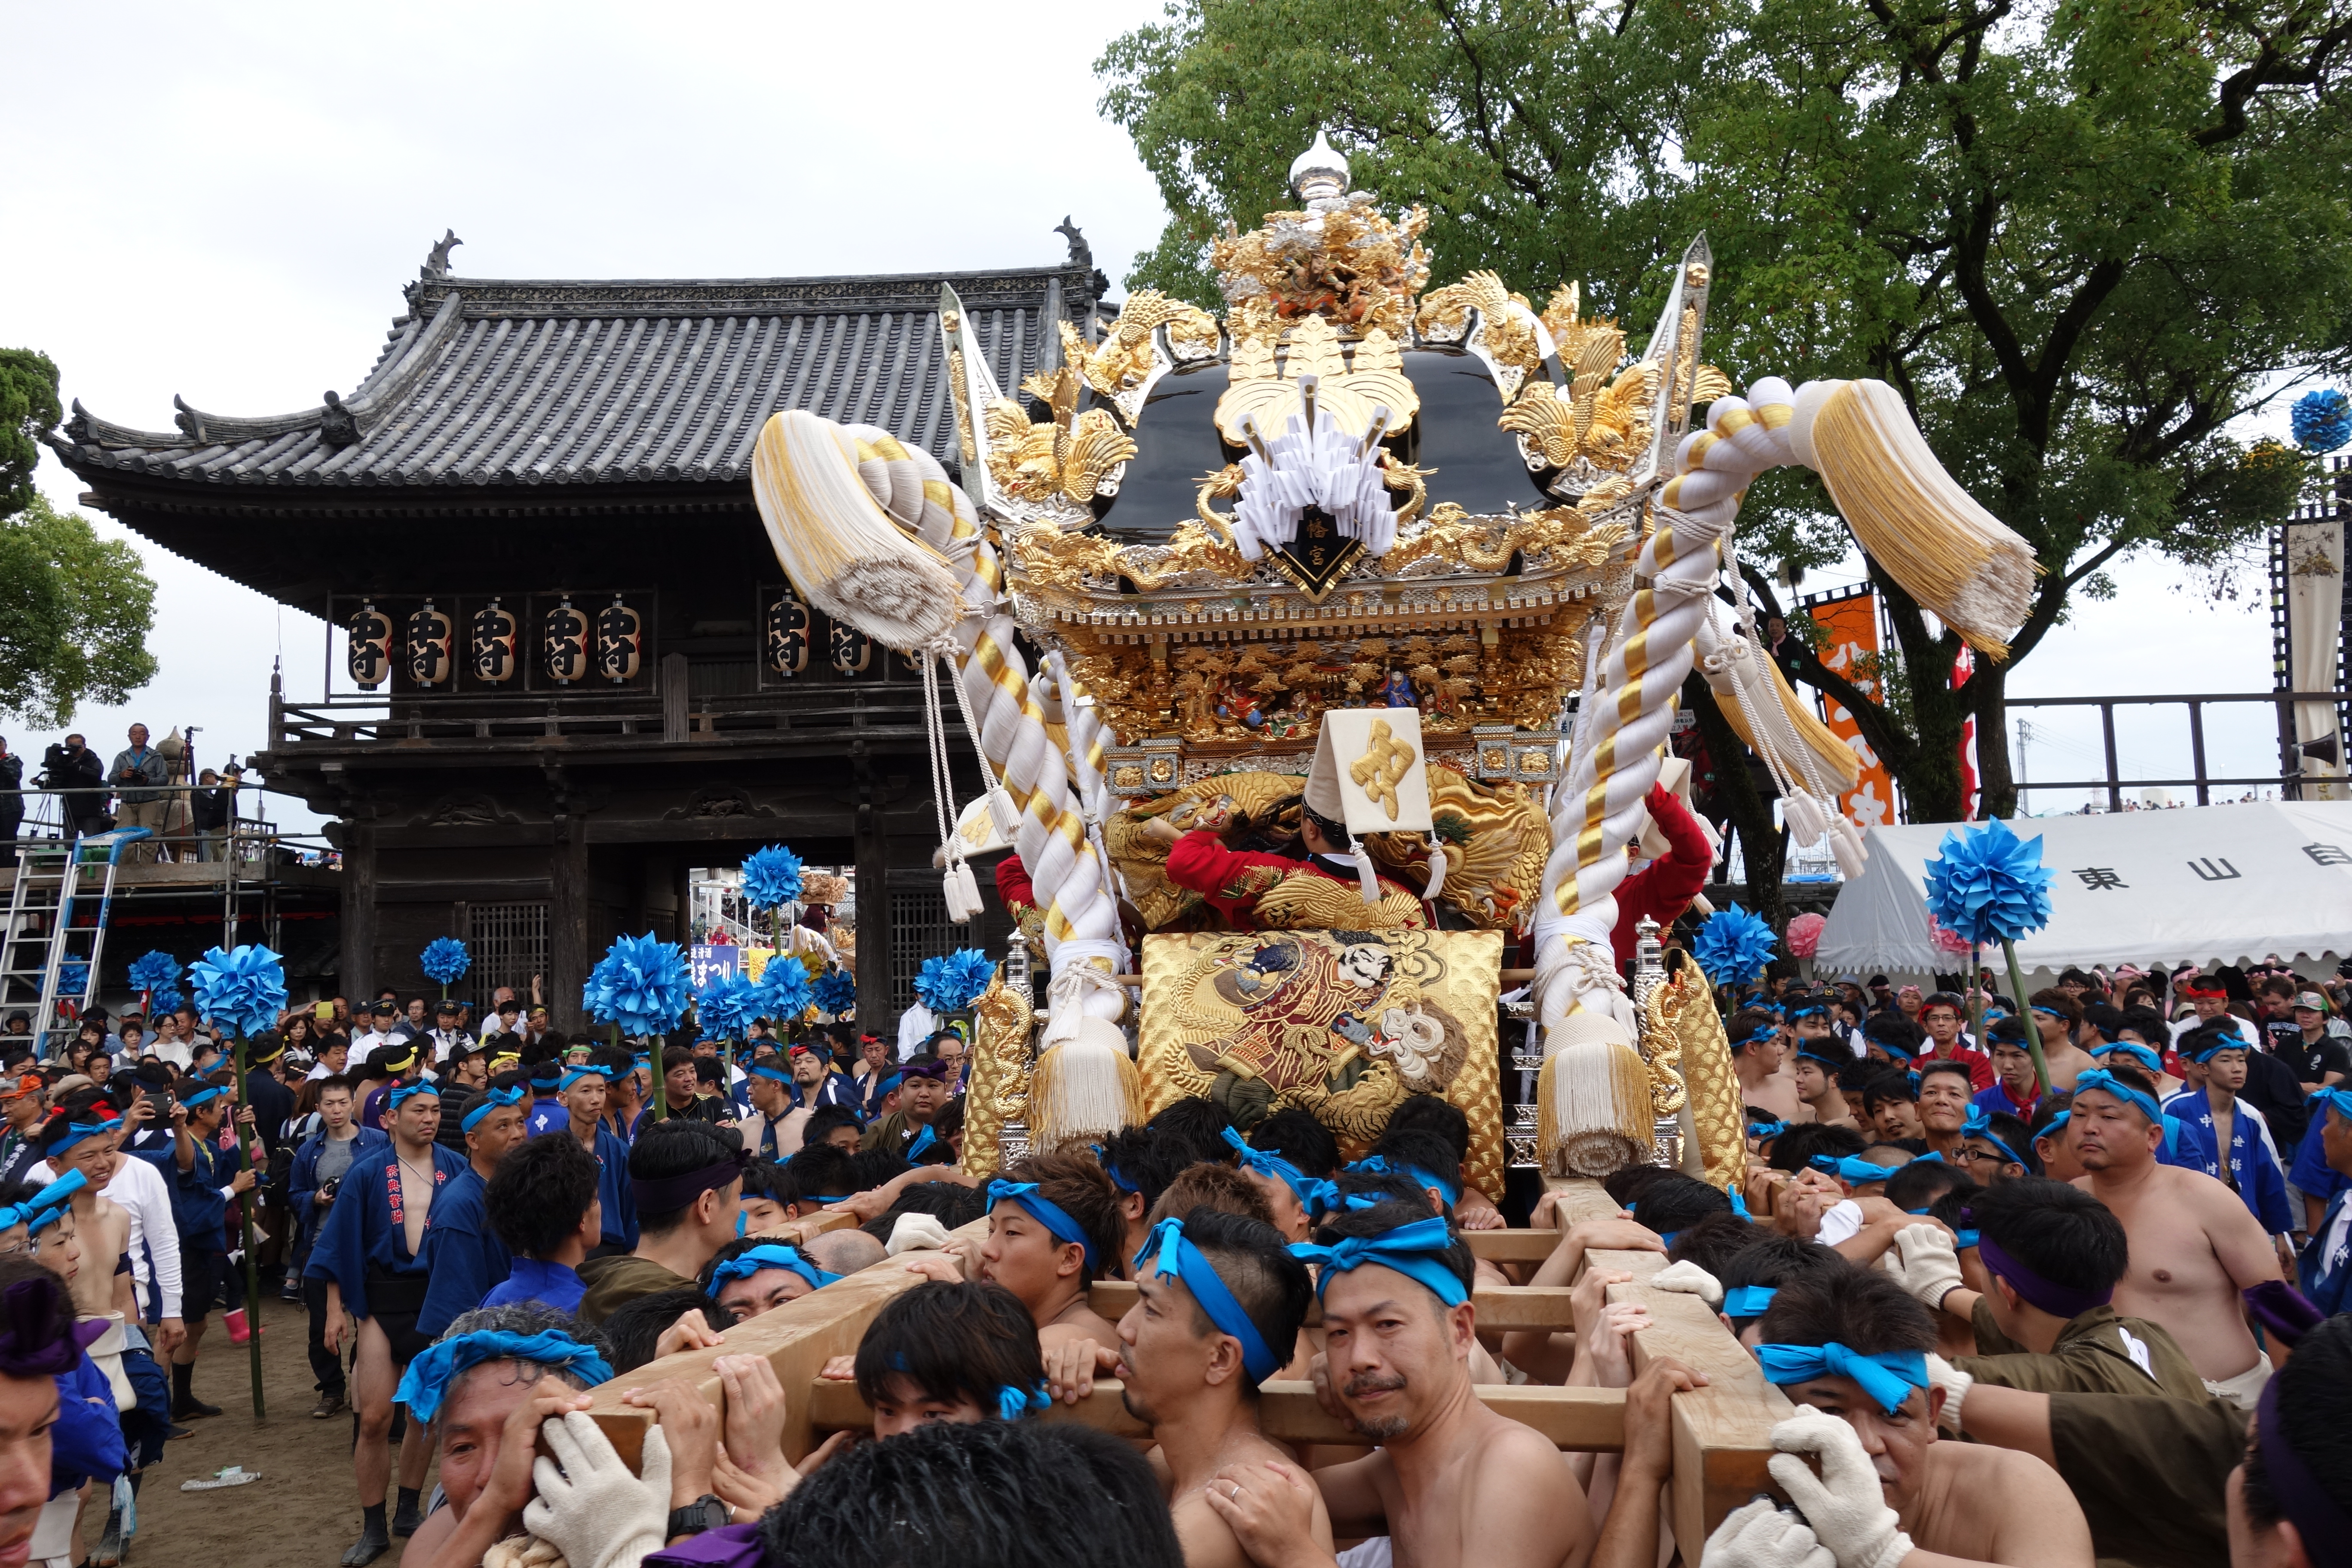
x,y
303,1512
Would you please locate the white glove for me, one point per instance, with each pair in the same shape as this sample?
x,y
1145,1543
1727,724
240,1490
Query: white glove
x,y
1847,1510
1955,1383
1689,1279
1761,1536
592,1510
1931,1269
917,1233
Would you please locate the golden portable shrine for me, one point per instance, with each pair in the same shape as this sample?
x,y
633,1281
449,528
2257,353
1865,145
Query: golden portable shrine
x,y
1333,644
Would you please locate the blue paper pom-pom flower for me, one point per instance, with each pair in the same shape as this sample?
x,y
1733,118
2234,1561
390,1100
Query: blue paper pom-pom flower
x,y
1988,887
155,971
784,991
640,983
445,958
73,978
242,991
727,1007
1733,946
165,999
835,992
771,877
951,983
2322,420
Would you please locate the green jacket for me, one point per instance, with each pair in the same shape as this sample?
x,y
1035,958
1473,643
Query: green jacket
x,y
2094,1354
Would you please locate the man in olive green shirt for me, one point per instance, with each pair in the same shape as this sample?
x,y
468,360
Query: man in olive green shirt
x,y
2052,1254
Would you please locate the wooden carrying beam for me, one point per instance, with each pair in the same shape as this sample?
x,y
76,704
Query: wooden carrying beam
x,y
1502,1309
1723,1433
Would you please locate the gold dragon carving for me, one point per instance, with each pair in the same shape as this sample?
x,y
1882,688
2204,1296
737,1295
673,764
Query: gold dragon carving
x,y
999,1075
1683,1009
1123,365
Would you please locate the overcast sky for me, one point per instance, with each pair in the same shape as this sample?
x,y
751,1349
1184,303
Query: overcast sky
x,y
224,202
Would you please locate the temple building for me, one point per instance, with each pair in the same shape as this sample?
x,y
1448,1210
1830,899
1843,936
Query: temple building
x,y
563,665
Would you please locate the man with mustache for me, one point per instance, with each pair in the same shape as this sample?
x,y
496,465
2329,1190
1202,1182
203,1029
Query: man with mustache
x,y
1453,1482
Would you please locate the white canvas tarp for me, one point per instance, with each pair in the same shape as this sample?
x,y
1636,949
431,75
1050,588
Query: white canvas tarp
x,y
2215,884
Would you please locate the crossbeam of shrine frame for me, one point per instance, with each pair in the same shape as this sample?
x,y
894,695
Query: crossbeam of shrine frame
x,y
1722,1433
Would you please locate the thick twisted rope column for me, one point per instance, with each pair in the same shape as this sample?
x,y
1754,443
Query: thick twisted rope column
x,y
1050,836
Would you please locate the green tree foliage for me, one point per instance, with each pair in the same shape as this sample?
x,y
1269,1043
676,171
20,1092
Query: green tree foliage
x,y
74,611
28,406
2079,238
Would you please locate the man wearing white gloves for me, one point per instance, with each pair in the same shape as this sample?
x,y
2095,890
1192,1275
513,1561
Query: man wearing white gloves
x,y
1852,1349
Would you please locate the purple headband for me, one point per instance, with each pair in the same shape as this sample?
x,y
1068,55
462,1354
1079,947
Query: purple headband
x,y
668,1194
2058,1301
27,1307
2325,1530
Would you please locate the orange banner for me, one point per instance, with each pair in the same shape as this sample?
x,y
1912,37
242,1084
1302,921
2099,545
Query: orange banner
x,y
1850,649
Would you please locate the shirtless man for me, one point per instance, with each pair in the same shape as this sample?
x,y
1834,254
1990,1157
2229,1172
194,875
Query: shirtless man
x,y
1882,1470
1054,1228
1944,1090
1221,1302
81,1135
2194,1247
371,1253
1453,1483
2058,1018
1759,1051
1814,1072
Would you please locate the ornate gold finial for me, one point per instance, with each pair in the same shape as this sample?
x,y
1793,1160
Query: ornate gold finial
x,y
1319,173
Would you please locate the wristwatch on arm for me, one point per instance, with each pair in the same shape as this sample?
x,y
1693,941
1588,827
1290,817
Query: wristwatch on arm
x,y
705,1512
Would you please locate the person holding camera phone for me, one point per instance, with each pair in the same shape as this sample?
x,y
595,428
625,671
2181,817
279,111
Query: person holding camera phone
x,y
311,1188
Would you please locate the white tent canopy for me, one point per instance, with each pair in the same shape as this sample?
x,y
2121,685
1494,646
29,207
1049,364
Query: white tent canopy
x,y
2215,884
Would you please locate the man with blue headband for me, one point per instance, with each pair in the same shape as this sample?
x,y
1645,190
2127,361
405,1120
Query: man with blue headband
x,y
2225,1136
2325,1269
205,1180
1851,1348
2195,1249
1453,1482
464,1255
584,1087
1054,1228
371,1253
1220,1303
1760,1055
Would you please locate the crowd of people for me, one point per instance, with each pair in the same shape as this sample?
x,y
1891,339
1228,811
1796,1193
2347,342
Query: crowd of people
x,y
2019,1324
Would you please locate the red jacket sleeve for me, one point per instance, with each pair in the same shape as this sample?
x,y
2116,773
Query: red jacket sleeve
x,y
1012,883
1663,889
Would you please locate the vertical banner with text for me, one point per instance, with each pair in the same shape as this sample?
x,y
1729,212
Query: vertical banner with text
x,y
1850,648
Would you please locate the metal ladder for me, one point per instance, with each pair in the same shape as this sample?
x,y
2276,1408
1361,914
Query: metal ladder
x,y
45,951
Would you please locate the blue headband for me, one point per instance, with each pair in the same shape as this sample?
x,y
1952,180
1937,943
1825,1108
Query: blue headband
x,y
2046,1012
2339,1100
1805,1054
2050,1130
1419,1251
2138,1053
1313,1193
585,1069
1980,1125
2228,1043
75,1132
1380,1164
492,1100
743,1265
205,1096
1891,1048
923,1141
1806,1013
888,1084
1853,1172
401,1091
762,1070
1012,1403
1766,1129
428,1377
1045,1211
1747,1300
1887,1378
2102,1080
1173,1256
1769,1032
42,1209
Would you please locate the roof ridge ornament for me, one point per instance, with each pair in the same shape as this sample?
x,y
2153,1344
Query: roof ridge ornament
x,y
1319,173
436,260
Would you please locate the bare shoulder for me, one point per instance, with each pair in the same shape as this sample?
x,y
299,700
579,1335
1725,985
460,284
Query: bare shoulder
x,y
1206,1540
2039,1525
1510,1454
